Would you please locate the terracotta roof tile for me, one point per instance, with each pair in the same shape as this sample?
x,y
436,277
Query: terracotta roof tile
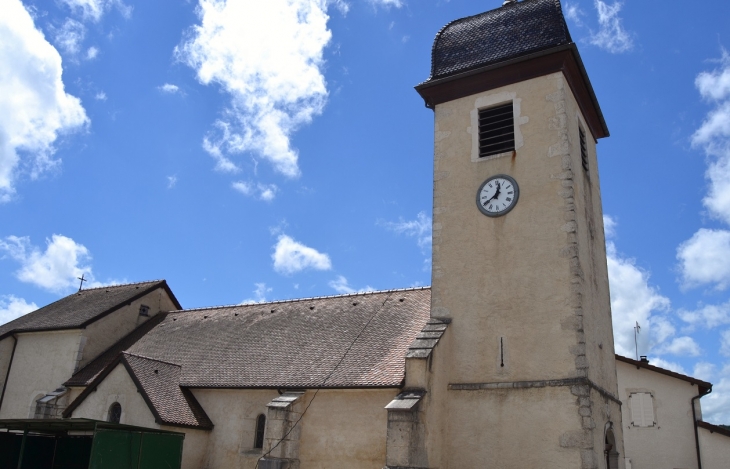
x,y
87,374
293,343
81,308
160,384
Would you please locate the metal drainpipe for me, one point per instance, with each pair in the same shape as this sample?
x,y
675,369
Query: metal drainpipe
x,y
7,375
697,435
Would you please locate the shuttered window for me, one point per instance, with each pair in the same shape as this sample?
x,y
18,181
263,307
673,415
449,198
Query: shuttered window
x,y
496,130
642,409
583,149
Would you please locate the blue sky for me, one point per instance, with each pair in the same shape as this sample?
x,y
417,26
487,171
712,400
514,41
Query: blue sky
x,y
248,150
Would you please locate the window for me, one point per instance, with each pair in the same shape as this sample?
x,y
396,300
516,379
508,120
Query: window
x,y
583,149
115,413
260,427
44,408
496,130
641,405
144,310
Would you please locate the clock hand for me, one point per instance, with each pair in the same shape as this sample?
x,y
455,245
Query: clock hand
x,y
499,191
496,194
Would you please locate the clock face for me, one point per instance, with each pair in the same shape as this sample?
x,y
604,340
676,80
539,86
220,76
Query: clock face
x,y
497,195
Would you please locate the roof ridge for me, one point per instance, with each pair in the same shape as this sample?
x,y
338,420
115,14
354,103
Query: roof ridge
x,y
295,300
660,369
150,358
119,285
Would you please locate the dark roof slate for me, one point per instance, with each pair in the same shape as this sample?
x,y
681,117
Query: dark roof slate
x,y
82,308
87,374
160,385
514,30
295,343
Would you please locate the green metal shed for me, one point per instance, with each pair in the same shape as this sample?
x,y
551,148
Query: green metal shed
x,y
86,444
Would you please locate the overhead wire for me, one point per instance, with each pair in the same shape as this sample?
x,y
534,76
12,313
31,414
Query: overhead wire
x,y
352,344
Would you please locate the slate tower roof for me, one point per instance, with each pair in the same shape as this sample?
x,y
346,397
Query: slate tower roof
x,y
516,42
514,30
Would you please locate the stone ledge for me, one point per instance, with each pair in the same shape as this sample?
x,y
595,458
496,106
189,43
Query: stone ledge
x,y
533,384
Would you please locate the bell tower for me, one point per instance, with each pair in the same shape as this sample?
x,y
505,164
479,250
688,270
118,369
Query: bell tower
x,y
524,374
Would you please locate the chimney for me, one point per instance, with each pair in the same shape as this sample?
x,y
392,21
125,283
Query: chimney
x,y
644,359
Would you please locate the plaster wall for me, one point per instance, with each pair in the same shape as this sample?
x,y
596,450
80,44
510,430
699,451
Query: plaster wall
x,y
671,443
42,362
528,291
233,412
715,450
119,387
103,333
6,351
345,428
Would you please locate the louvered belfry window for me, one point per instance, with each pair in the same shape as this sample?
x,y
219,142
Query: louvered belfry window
x,y
496,130
583,149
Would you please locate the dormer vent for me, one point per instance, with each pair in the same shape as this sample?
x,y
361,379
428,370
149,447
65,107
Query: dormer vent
x,y
144,310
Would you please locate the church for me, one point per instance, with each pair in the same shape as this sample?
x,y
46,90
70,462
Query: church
x,y
505,361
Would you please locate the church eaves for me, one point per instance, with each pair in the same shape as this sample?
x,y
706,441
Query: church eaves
x,y
80,309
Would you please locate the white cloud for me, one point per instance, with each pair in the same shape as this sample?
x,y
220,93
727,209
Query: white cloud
x,y
222,162
609,226
169,88
573,12
715,85
171,181
634,300
12,307
100,96
714,137
708,316
268,57
56,269
265,192
611,35
716,405
420,228
69,36
667,365
387,3
291,256
34,108
92,53
682,346
94,9
725,343
259,294
341,285
704,371
705,259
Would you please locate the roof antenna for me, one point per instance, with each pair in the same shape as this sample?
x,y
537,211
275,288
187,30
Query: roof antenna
x,y
82,281
637,329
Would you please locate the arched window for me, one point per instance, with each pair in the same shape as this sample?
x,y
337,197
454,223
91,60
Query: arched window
x,y
610,450
115,413
260,427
